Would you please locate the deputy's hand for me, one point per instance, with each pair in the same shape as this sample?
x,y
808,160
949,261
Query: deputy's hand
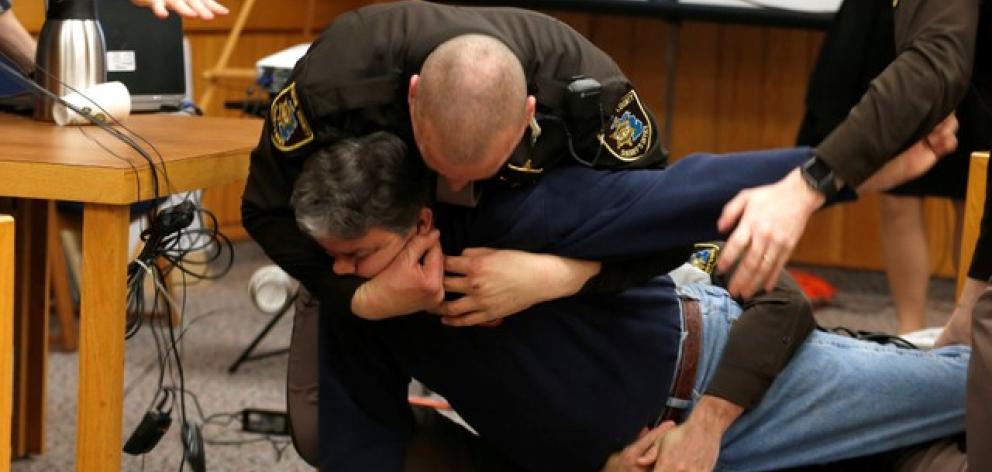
x,y
205,9
769,219
917,159
943,140
412,282
499,283
693,446
627,459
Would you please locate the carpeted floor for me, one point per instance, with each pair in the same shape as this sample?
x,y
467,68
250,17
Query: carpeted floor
x,y
227,321
223,321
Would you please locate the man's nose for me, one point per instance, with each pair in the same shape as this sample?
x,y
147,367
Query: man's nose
x,y
343,266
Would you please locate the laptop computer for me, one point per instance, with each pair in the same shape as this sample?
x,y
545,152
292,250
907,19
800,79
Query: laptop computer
x,y
145,53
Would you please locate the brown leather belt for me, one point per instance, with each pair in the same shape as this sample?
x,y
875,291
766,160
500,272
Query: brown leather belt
x,y
680,397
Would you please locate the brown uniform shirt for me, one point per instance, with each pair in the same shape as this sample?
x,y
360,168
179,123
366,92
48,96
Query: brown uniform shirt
x,y
934,42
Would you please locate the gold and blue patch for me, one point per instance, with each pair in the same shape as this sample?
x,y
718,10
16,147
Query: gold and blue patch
x,y
705,257
629,135
290,129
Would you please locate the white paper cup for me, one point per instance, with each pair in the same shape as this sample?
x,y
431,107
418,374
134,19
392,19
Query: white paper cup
x,y
111,96
270,288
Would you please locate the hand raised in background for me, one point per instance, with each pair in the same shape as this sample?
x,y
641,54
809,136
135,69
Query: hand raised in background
x,y
203,9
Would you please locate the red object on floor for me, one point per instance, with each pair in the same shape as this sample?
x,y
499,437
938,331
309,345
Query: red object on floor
x,y
434,403
819,291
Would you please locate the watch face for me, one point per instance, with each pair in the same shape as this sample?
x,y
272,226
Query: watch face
x,y
819,176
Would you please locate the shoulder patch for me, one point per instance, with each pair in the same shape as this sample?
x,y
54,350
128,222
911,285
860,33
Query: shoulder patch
x,y
290,129
629,135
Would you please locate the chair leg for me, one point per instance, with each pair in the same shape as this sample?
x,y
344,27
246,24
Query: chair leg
x,y
65,309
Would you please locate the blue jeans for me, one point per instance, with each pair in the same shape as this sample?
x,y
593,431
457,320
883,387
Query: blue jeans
x,y
838,398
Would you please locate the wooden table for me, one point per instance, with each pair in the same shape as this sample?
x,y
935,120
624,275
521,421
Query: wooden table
x,y
40,162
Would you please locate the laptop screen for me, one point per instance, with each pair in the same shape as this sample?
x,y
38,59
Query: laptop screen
x,y
144,52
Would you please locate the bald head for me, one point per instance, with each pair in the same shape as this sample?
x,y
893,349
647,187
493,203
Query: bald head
x,y
471,96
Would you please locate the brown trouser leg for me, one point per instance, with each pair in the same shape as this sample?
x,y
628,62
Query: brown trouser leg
x,y
941,456
301,381
979,407
944,455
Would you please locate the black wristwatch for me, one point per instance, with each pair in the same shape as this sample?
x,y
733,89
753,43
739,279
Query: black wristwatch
x,y
819,176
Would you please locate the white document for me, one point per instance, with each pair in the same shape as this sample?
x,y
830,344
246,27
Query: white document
x,y
807,6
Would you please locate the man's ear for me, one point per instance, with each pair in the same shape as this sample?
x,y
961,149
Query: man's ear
x,y
411,94
531,107
425,221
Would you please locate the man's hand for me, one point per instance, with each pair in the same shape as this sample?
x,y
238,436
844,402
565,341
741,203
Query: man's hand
x,y
412,282
499,283
205,9
694,445
770,219
943,140
627,459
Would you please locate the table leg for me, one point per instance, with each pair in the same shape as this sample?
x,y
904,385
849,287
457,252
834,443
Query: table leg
x,y
30,328
101,330
6,335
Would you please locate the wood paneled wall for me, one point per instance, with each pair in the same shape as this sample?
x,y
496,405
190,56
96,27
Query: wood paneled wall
x,y
737,88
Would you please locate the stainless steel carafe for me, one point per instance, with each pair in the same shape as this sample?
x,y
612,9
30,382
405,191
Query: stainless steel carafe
x,y
71,51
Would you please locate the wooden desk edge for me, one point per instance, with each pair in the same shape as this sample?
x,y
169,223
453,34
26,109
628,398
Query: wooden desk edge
x,y
118,186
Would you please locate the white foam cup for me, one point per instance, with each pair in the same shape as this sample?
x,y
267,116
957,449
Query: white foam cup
x,y
112,97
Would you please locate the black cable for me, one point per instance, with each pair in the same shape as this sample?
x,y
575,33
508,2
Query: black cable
x,y
148,367
85,113
115,121
137,178
162,240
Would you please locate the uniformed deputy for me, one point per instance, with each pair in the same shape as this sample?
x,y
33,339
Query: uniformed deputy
x,y
475,92
362,74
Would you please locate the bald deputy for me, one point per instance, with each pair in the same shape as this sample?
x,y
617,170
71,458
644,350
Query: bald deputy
x,y
474,92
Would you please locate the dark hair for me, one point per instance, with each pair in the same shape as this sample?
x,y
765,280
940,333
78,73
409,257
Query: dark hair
x,y
358,183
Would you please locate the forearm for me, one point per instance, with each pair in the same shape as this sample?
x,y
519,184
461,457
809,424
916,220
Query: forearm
x,y
663,210
714,414
926,81
762,341
16,43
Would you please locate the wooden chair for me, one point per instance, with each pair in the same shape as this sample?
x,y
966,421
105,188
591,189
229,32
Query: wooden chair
x,y
6,337
222,71
974,206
